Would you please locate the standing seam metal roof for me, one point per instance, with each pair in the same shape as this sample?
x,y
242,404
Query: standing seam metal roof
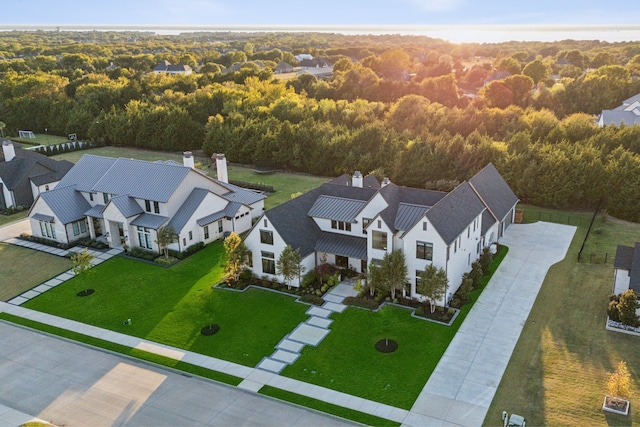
x,y
343,245
336,208
188,208
66,203
127,205
150,221
408,214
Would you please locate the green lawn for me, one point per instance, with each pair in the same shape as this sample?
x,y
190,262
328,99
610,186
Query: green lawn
x,y
347,360
285,184
6,219
42,139
21,269
558,371
171,305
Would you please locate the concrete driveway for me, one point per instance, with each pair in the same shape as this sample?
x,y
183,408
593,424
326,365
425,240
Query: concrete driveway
x,y
461,388
69,384
14,229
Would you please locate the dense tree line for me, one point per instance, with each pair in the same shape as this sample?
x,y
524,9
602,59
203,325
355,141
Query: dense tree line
x,y
396,106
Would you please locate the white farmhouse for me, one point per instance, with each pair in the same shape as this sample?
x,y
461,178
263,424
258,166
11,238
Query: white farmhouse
x,y
125,201
351,222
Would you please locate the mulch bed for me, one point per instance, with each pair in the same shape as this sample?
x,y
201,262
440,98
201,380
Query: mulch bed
x,y
210,329
386,346
85,293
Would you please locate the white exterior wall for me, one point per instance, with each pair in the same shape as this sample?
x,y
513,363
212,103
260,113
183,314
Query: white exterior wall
x,y
42,208
460,260
378,253
376,205
620,281
439,259
35,189
112,214
192,180
257,209
8,199
69,231
252,241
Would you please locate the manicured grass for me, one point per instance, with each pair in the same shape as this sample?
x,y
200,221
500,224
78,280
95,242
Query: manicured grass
x,y
558,370
285,184
21,269
42,139
171,305
329,408
6,219
117,348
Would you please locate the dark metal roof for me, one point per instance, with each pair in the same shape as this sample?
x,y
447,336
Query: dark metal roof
x,y
494,191
336,208
41,217
343,245
150,221
408,214
95,211
624,257
188,208
240,195
127,205
67,204
396,195
451,215
228,212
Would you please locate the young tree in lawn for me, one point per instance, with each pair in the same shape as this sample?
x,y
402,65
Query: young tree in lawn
x,y
166,235
619,382
237,255
394,271
82,265
374,279
289,264
433,285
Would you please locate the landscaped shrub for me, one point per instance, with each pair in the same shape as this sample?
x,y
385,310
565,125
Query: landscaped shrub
x,y
193,249
44,241
166,261
138,252
476,274
92,243
486,257
622,308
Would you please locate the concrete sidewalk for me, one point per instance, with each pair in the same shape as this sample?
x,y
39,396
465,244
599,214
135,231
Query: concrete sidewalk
x,y
462,387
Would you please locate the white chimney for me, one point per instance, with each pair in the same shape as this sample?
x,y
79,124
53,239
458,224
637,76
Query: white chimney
x,y
221,167
8,150
187,159
386,181
357,180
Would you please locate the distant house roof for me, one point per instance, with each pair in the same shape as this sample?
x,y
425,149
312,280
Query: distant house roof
x,y
316,63
67,204
283,67
494,191
167,67
628,258
618,117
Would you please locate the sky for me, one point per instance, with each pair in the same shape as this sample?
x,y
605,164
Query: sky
x,y
453,20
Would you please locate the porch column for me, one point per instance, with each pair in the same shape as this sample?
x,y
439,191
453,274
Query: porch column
x,y
92,231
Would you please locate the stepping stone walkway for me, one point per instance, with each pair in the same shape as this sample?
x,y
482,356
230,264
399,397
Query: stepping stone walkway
x,y
310,332
100,257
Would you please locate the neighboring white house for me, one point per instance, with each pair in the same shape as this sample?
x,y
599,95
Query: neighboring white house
x,y
627,113
126,201
351,222
24,174
626,269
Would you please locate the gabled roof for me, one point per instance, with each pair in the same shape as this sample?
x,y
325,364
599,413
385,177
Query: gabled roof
x,y
408,214
618,117
95,211
624,257
293,224
494,191
343,245
228,212
487,221
37,167
87,172
66,203
188,208
451,215
628,258
396,195
240,195
127,205
336,208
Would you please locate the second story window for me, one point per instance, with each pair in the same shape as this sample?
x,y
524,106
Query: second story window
x,y
266,237
156,207
340,225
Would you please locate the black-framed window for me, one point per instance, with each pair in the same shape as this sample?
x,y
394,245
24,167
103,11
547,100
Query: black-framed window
x,y
379,239
342,261
266,237
156,207
147,205
424,250
206,232
340,225
268,262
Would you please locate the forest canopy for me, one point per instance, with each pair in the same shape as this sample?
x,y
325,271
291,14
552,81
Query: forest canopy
x,y
421,111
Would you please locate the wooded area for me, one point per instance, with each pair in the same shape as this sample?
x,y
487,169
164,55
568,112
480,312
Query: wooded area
x,y
421,111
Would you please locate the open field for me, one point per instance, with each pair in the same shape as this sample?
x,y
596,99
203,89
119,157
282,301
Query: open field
x,y
558,370
285,184
21,269
42,139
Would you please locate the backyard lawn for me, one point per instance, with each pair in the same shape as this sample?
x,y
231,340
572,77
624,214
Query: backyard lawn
x,y
21,269
558,371
171,305
285,184
42,139
6,219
